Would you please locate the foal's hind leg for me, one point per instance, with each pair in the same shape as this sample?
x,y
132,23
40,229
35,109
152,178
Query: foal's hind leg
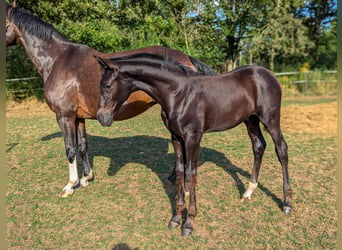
x,y
281,149
83,150
258,145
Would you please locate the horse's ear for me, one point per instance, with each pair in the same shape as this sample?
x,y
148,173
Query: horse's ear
x,y
14,4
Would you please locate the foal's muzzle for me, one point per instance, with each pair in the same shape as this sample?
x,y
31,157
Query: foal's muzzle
x,y
105,118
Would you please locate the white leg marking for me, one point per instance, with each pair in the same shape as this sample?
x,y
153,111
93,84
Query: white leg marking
x,y
73,171
84,179
249,191
73,180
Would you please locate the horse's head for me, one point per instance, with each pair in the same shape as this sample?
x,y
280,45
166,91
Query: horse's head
x,y
115,89
12,32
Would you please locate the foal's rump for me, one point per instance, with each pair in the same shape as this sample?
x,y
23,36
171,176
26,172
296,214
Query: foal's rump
x,y
245,91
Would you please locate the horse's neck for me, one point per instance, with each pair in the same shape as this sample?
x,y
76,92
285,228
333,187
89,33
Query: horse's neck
x,y
43,54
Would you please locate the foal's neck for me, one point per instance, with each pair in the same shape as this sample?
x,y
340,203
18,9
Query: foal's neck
x,y
157,82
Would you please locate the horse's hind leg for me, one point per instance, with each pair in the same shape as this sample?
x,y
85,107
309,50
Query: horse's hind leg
x,y
68,128
83,150
281,149
258,146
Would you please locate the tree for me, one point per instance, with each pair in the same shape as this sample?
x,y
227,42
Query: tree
x,y
280,33
318,15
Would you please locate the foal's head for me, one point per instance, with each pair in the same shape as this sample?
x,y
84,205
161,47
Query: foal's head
x,y
115,89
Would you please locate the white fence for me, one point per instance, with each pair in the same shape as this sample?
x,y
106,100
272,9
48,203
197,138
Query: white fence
x,y
306,82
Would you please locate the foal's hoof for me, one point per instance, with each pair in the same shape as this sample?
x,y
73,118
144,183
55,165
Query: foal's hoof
x,y
186,231
66,193
173,224
287,209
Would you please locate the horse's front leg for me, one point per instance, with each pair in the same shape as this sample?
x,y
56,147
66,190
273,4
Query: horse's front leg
x,y
192,149
83,150
179,179
68,128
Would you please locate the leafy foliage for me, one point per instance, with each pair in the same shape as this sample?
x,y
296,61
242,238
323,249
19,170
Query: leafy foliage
x,y
224,34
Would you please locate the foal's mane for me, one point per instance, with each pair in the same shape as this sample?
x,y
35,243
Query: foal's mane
x,y
149,59
32,24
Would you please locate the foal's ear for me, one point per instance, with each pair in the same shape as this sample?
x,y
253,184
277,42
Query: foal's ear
x,y
105,64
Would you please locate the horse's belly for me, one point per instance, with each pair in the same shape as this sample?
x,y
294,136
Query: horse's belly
x,y
137,103
226,120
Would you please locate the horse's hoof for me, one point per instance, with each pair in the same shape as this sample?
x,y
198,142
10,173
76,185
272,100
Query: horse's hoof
x,y
244,198
84,182
186,231
66,193
287,209
173,224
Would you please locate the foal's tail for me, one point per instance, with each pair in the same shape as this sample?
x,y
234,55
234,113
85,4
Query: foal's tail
x,y
202,67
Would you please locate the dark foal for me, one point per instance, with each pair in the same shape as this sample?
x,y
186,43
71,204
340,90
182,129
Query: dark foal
x,y
192,105
71,77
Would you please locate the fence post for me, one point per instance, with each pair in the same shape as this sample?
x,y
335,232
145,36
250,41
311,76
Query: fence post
x,y
306,82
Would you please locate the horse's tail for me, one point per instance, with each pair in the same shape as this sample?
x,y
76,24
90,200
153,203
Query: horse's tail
x,y
202,67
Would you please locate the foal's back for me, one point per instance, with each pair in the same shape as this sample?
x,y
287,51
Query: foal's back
x,y
229,99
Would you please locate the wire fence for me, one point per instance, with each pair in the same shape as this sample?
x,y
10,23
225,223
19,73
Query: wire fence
x,y
314,83
297,83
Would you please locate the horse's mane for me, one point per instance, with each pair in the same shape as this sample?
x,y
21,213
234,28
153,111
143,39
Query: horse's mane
x,y
25,21
147,58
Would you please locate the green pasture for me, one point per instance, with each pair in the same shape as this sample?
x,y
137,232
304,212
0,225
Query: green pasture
x,y
130,201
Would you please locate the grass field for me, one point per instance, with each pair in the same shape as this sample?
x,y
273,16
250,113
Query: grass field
x,y
130,201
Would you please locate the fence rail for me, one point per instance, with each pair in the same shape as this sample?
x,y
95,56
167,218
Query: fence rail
x,y
21,79
293,83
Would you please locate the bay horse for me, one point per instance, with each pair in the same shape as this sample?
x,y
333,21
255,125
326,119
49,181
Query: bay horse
x,y
71,88
194,104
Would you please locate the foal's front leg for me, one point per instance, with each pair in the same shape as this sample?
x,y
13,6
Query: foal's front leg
x,y
192,149
68,128
179,173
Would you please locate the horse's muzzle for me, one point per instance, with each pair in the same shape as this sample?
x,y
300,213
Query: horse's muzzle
x,y
105,118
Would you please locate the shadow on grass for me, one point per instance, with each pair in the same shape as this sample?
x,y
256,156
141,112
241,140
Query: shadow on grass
x,y
152,152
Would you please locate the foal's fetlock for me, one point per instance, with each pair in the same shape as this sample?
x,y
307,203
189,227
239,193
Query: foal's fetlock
x,y
248,194
287,208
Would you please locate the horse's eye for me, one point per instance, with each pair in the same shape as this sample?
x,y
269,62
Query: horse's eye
x,y
108,85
